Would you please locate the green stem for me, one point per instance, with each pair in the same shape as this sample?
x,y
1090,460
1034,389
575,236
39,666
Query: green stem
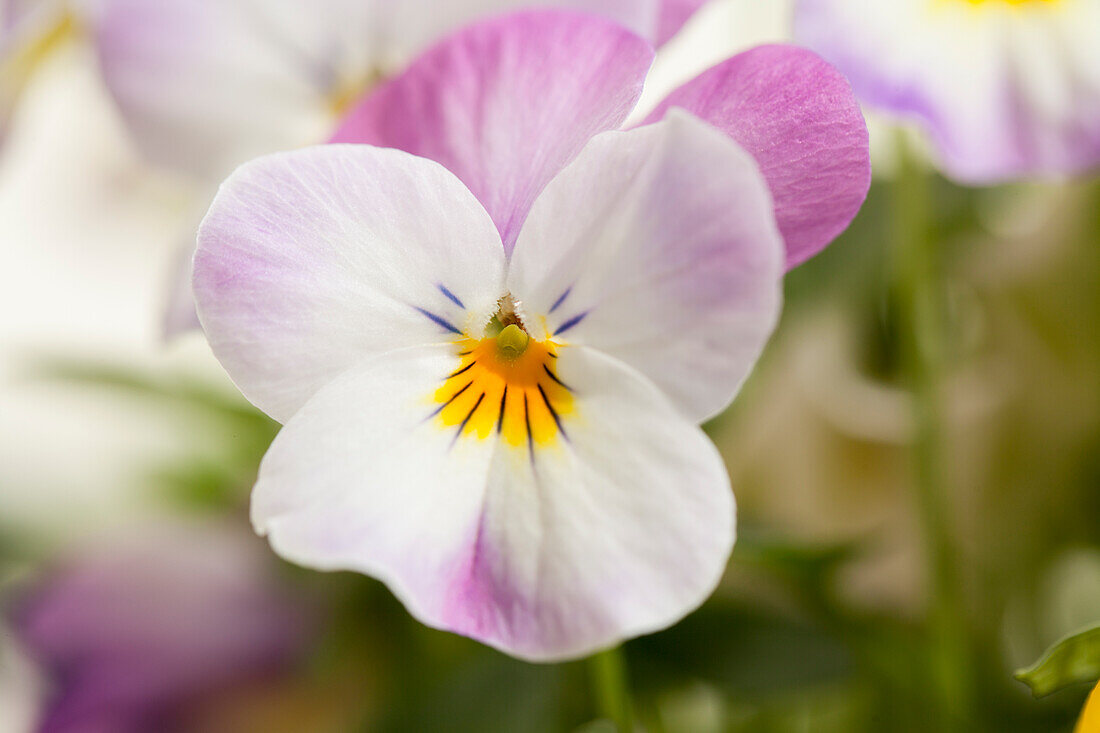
x,y
920,301
612,692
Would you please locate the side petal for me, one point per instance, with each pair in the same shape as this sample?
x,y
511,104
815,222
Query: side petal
x,y
798,117
505,104
1004,90
659,247
205,85
310,261
546,554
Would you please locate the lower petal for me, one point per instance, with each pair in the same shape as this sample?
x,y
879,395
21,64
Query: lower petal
x,y
619,530
545,550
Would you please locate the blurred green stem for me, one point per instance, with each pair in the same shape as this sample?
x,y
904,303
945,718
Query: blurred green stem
x,y
609,683
920,297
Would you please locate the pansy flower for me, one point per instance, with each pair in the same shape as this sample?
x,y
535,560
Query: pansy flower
x,y
1005,88
491,374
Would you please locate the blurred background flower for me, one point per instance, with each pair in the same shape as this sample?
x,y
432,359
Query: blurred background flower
x,y
145,632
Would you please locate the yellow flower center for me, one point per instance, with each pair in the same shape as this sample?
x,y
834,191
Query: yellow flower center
x,y
505,385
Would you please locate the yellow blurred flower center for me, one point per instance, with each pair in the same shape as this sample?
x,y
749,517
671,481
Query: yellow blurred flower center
x,y
505,385
1011,2
344,94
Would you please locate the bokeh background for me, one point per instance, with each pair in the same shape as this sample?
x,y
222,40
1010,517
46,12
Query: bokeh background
x,y
126,460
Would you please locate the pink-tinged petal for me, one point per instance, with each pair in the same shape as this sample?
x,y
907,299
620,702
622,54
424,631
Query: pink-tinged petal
x,y
673,15
310,261
1004,91
798,118
546,552
505,104
659,247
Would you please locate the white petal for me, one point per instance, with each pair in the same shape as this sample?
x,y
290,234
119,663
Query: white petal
x,y
657,246
620,527
310,261
619,530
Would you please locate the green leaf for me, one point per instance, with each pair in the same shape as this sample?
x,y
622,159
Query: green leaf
x,y
1073,660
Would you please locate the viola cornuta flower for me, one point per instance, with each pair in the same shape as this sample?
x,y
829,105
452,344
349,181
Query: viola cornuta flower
x,y
1006,88
510,443
208,84
491,374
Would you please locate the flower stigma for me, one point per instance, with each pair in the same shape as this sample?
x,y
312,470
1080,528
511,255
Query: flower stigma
x,y
505,384
512,342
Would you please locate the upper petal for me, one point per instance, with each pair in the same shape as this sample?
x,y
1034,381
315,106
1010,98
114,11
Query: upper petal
x,y
505,104
310,261
798,117
619,528
204,85
1005,90
657,246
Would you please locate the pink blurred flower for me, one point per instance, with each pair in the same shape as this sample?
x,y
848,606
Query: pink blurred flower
x,y
205,85
208,84
1005,89
128,635
492,391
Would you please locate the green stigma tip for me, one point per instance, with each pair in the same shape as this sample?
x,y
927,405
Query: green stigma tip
x,y
512,341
